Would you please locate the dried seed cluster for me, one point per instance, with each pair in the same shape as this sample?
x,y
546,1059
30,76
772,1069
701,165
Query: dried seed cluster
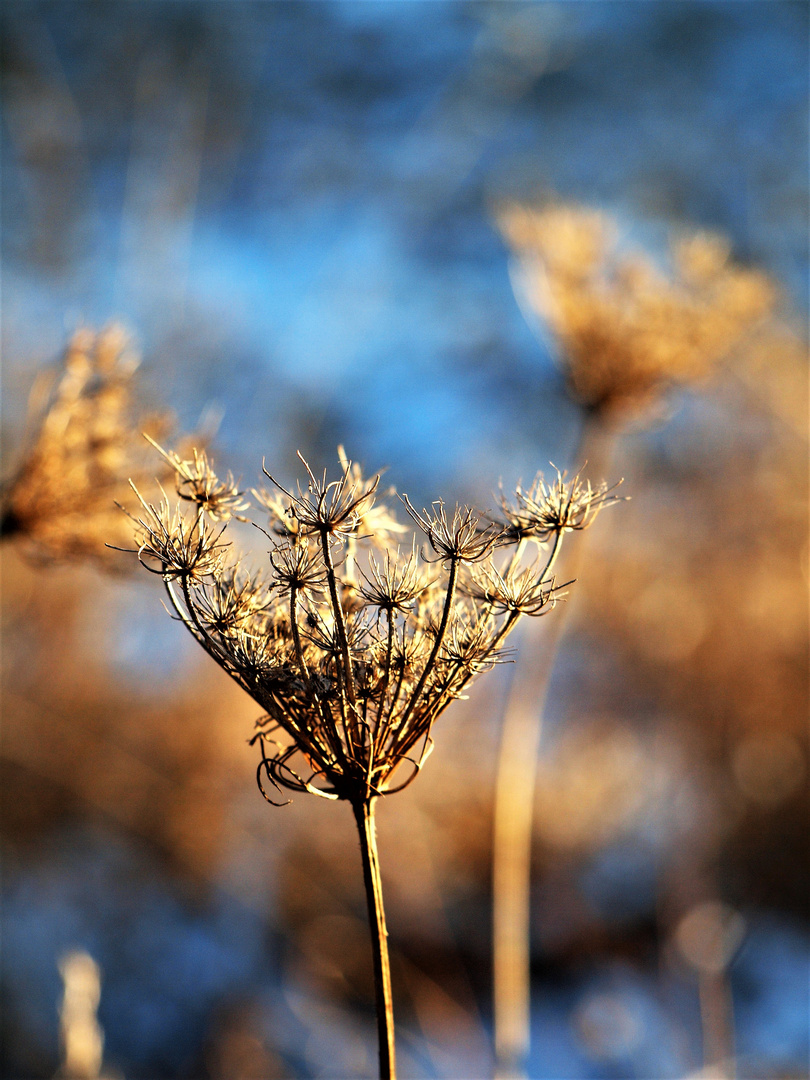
x,y
626,328
352,644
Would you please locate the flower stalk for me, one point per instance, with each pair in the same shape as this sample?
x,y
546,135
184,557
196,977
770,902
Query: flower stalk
x,y
367,831
624,328
352,665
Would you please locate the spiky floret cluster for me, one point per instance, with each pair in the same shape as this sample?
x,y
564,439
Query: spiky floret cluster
x,y
625,327
353,646
547,509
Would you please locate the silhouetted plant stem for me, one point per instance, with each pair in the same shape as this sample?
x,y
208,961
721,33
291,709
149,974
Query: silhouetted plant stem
x,y
366,827
514,801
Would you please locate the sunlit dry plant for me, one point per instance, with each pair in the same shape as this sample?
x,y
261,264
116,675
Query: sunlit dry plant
x,y
86,442
547,510
625,327
352,662
198,483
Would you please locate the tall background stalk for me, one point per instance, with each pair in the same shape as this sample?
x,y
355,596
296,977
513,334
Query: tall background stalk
x,y
521,733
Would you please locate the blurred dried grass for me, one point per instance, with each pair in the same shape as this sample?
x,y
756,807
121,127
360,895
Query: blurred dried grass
x,y
626,328
85,440
78,740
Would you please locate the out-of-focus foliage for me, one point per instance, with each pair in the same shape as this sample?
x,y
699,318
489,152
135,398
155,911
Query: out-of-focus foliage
x,y
86,443
626,330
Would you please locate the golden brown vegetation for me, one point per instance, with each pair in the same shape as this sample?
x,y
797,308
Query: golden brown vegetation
x,y
625,328
87,441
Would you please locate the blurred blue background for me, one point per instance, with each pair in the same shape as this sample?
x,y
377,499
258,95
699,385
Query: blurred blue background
x,y
295,200
292,208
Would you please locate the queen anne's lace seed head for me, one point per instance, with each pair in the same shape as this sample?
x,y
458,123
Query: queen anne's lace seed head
x,y
198,483
298,565
460,537
332,508
524,592
233,603
556,506
174,545
392,585
351,665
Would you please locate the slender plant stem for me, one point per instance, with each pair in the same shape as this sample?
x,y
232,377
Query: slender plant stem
x,y
448,605
340,622
299,655
514,804
366,827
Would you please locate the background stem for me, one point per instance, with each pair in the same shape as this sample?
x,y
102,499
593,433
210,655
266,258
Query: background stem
x,y
514,801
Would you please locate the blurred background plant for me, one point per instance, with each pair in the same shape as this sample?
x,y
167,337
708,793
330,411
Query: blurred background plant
x,y
624,331
291,205
86,441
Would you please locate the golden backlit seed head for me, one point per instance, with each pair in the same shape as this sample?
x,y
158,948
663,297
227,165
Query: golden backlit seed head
x,y
197,483
350,694
458,538
233,603
525,591
547,508
176,546
329,508
392,585
298,566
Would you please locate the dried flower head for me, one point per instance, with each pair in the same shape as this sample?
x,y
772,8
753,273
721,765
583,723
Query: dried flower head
x,y
393,585
87,442
625,328
198,483
173,544
547,509
528,591
460,538
351,670
298,565
235,602
328,509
